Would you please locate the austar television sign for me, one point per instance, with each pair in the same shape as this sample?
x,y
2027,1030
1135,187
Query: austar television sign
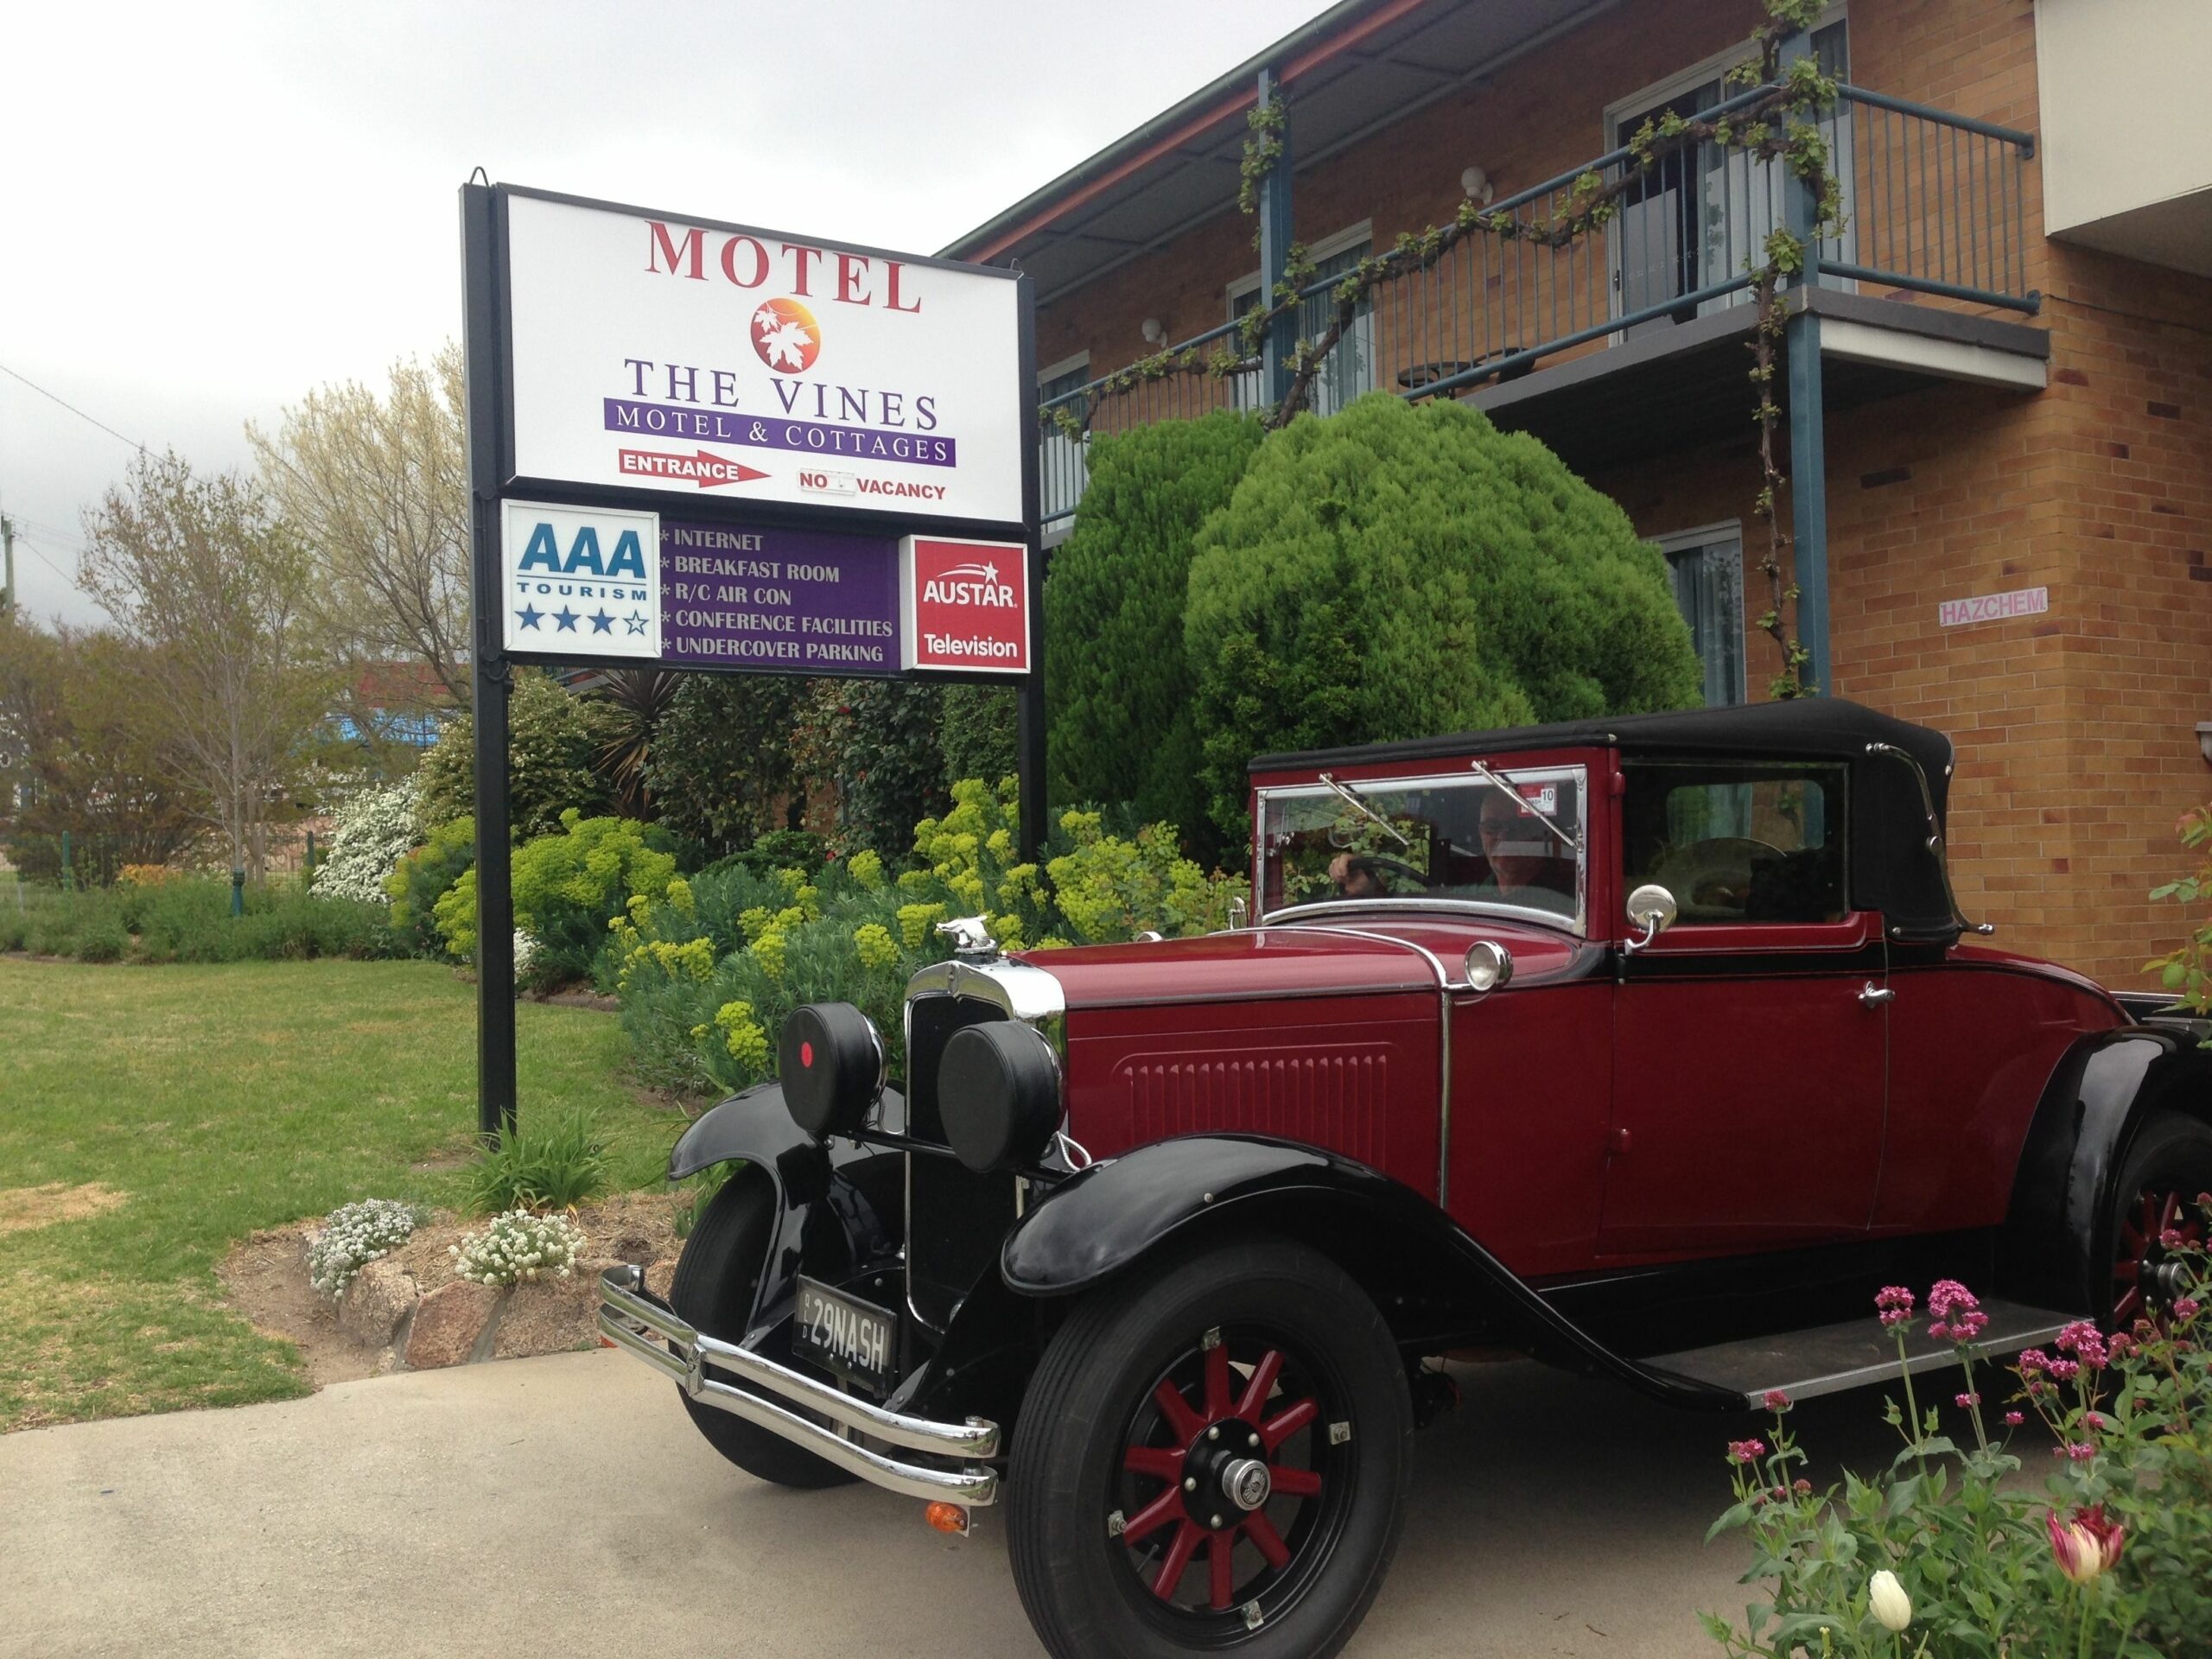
x,y
650,351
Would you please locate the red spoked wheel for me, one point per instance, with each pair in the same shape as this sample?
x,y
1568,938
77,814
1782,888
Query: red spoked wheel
x,y
2155,1233
1228,1458
1212,1456
2157,1228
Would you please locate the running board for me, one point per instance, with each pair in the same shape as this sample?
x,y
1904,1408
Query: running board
x,y
1830,1358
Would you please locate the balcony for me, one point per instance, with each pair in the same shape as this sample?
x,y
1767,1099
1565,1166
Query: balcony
x,y
1632,341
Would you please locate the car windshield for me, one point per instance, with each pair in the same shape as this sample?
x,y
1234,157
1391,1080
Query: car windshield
x,y
1514,843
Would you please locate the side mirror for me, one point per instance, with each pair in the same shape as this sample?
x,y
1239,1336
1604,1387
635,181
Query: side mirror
x,y
1652,908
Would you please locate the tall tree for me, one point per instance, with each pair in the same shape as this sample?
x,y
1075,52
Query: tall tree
x,y
208,583
75,757
377,487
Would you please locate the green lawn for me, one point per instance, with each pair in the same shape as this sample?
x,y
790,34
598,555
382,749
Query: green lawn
x,y
223,1099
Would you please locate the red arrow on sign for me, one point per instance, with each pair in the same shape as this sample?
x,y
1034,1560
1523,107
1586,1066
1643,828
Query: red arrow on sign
x,y
708,472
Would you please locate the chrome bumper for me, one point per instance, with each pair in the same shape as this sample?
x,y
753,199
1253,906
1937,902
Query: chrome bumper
x,y
632,1321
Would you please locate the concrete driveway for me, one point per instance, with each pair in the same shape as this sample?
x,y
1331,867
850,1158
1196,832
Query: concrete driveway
x,y
566,1504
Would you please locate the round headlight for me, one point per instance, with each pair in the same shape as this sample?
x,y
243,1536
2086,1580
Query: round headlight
x,y
831,1058
1489,964
998,1091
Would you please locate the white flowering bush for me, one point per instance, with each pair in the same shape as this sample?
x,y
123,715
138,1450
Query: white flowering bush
x,y
525,953
354,1235
371,831
518,1246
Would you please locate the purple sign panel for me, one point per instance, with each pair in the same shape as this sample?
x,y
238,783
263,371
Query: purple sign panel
x,y
787,601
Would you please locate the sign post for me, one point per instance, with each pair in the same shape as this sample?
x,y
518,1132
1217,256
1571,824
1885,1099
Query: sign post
x,y
702,445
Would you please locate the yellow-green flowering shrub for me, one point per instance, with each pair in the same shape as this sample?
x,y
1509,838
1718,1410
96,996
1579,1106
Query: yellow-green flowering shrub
x,y
570,890
857,933
877,949
1110,888
742,1035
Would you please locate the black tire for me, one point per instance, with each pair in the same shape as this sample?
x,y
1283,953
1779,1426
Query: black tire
x,y
1089,1562
713,1291
2169,1164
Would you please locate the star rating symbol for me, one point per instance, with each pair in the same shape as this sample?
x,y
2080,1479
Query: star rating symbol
x,y
635,621
566,619
529,616
601,622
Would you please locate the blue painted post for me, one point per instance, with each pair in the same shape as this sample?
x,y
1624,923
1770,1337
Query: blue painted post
x,y
1808,484
1275,256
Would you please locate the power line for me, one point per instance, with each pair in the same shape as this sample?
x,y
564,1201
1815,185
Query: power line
x,y
24,541
71,408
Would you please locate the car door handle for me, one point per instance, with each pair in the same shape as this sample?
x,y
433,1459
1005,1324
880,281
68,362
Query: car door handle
x,y
1874,996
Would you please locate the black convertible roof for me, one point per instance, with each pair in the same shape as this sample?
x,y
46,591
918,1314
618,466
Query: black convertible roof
x,y
1893,868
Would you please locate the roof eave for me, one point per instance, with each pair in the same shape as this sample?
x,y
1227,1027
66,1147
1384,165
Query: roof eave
x,y
1214,103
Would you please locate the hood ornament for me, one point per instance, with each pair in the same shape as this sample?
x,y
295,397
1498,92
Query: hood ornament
x,y
971,937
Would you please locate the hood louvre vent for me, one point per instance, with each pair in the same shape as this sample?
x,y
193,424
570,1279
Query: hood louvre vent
x,y
1334,1099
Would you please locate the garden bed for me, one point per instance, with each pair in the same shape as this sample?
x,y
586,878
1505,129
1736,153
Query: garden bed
x,y
374,1330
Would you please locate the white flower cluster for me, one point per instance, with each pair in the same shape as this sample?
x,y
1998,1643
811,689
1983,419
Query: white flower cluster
x,y
354,1235
525,950
373,829
517,1246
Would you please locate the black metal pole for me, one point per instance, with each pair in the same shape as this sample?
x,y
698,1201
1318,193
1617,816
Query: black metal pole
x,y
1029,724
484,347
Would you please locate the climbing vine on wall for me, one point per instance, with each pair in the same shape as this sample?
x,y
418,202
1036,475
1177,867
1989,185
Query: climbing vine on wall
x,y
1777,124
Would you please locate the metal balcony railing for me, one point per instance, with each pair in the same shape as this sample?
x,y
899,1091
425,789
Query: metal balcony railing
x,y
1932,203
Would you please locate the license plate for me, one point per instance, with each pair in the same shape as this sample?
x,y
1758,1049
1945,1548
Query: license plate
x,y
856,1339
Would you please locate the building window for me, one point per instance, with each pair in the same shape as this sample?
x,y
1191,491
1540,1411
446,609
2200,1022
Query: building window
x,y
1701,218
1350,368
1708,567
1062,468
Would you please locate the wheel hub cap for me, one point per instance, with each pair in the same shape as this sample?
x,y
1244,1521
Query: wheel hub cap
x,y
1245,1483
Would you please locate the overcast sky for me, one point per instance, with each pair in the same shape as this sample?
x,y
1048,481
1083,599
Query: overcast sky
x,y
208,209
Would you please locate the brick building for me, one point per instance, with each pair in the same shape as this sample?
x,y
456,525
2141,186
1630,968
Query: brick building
x,y
2002,367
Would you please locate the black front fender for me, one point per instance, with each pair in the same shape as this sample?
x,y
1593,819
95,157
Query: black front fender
x,y
2062,1191
1422,1269
836,1206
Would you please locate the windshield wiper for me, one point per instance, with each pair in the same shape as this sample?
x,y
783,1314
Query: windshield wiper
x,y
1535,811
1352,800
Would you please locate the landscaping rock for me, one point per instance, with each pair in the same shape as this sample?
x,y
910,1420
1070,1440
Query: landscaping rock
x,y
551,1316
448,1322
382,1294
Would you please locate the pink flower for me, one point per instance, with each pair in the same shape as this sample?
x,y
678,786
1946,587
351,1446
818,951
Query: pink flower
x,y
2033,1360
1776,1399
2080,1450
2014,1420
2094,1419
2085,1545
1803,1488
1895,1302
1746,1451
2084,1341
2186,1308
2119,1343
2064,1370
2170,1238
1966,1400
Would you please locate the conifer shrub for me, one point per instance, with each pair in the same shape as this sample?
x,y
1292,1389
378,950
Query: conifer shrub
x,y
1398,572
1117,682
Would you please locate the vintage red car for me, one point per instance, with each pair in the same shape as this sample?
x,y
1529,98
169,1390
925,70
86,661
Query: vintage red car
x,y
1649,1046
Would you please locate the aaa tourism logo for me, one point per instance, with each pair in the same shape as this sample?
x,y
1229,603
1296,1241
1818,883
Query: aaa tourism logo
x,y
786,336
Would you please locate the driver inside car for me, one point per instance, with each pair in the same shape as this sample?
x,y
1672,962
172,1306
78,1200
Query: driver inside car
x,y
1355,877
1528,865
